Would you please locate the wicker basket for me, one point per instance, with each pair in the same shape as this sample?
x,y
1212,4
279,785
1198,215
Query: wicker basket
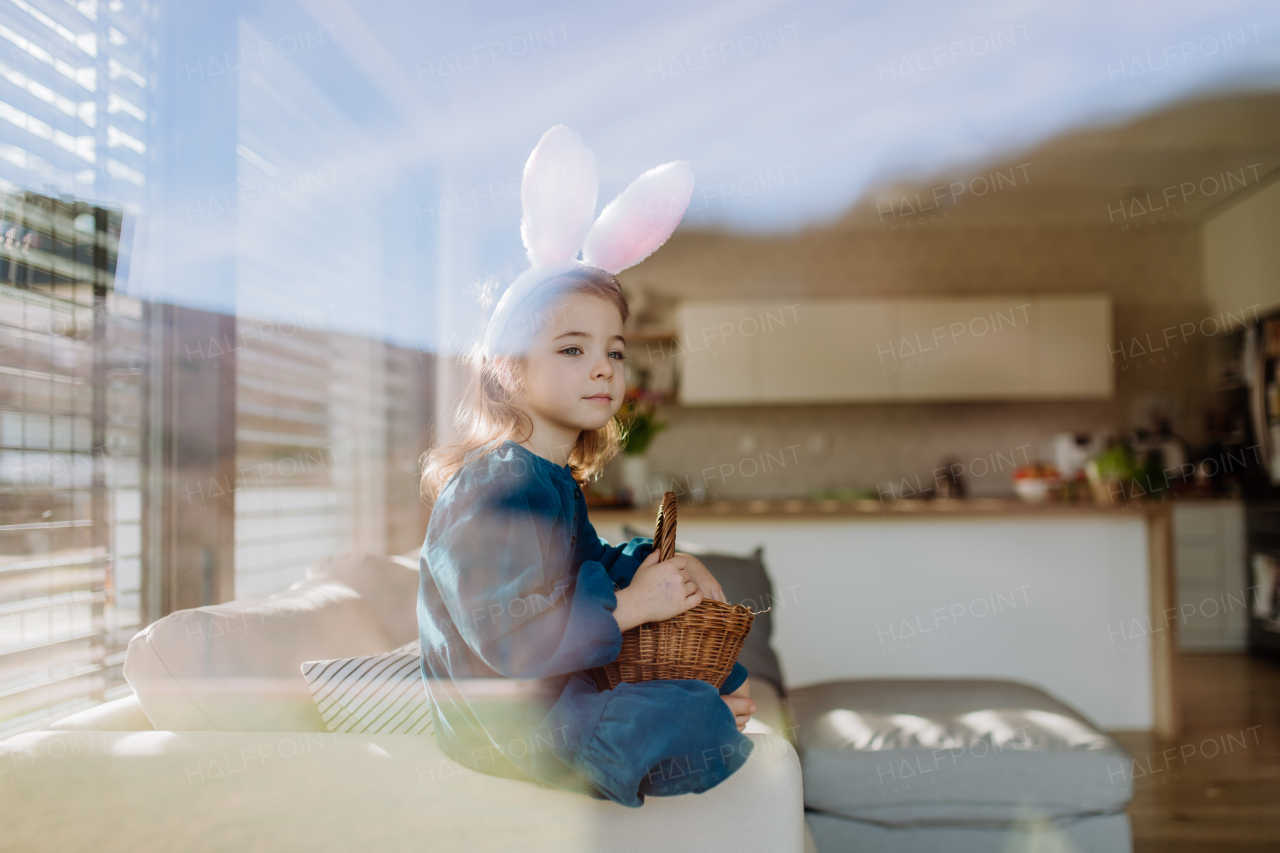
x,y
700,643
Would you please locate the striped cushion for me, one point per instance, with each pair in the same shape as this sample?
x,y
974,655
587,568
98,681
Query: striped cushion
x,y
373,693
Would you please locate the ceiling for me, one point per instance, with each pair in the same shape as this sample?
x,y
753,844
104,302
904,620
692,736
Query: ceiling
x,y
1172,164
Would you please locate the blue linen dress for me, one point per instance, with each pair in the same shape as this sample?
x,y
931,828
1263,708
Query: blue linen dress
x,y
516,600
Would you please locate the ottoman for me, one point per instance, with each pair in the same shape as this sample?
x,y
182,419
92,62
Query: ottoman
x,y
956,765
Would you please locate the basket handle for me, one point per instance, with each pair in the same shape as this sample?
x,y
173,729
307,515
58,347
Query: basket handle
x,y
664,535
664,531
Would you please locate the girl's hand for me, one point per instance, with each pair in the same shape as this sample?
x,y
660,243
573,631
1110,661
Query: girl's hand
x,y
659,590
740,705
701,575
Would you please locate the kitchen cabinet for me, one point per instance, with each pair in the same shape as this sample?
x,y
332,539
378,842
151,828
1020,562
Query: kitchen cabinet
x,y
981,349
1209,559
1072,345
823,356
867,350
717,352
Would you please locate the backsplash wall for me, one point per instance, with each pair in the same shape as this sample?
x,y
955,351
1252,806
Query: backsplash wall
x,y
1154,279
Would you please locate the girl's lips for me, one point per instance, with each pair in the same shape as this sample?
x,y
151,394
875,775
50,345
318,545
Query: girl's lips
x,y
603,398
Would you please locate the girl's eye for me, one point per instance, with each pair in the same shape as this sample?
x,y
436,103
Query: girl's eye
x,y
618,354
571,351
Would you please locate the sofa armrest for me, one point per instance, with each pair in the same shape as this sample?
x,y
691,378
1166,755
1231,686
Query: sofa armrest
x,y
119,715
316,792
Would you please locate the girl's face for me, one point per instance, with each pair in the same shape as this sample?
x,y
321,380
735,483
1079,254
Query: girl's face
x,y
573,372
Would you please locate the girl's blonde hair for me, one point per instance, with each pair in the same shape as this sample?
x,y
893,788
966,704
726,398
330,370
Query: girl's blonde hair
x,y
488,414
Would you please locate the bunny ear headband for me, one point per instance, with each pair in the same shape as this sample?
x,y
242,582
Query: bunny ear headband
x,y
558,194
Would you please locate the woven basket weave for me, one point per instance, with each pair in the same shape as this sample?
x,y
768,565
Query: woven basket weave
x,y
700,643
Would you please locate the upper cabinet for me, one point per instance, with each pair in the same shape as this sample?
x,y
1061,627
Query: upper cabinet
x,y
964,349
821,355
863,350
1073,345
717,352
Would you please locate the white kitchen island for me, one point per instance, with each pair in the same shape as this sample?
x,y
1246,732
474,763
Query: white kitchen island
x,y
1075,599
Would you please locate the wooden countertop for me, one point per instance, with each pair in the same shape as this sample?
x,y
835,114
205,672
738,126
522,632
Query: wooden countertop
x,y
805,509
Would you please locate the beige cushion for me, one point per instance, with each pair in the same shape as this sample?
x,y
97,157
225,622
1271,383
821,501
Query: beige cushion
x,y
235,666
388,584
118,715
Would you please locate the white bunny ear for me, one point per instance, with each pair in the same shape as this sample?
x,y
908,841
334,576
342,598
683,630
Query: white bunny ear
x,y
640,219
558,194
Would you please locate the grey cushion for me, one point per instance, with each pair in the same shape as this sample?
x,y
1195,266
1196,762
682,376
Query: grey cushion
x,y
976,753
744,581
1101,834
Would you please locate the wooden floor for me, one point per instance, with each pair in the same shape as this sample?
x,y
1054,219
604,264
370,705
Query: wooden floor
x,y
1216,787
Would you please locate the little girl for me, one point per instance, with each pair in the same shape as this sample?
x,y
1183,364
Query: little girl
x,y
519,595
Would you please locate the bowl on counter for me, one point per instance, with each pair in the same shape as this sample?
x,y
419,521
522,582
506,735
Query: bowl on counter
x,y
1035,490
1036,482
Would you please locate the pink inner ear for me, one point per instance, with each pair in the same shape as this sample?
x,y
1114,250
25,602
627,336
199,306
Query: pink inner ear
x,y
641,218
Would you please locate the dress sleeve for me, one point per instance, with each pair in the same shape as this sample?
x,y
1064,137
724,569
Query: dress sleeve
x,y
619,561
488,550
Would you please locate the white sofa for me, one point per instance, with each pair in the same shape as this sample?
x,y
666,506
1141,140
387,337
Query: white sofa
x,y
221,749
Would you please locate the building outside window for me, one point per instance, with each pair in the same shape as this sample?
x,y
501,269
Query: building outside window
x,y
157,454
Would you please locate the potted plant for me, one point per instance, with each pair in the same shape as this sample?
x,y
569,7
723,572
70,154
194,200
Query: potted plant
x,y
638,419
1110,471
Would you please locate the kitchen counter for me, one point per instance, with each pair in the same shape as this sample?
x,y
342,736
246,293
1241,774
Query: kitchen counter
x,y
879,509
